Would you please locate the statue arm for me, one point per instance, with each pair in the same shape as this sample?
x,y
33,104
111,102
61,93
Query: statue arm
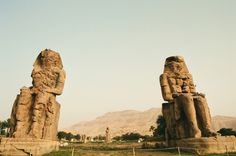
x,y
165,88
60,83
191,84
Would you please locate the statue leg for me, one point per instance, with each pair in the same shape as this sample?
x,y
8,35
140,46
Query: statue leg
x,y
187,104
50,120
204,116
36,127
38,116
20,114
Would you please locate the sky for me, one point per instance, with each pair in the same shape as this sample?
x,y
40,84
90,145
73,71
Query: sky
x,y
114,51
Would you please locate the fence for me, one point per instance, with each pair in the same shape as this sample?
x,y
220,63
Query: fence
x,y
181,151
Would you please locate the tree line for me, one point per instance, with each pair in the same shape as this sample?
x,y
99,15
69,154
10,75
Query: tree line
x,y
158,132
5,127
68,136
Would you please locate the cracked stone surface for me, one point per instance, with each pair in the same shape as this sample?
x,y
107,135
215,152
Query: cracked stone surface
x,y
186,114
26,146
35,112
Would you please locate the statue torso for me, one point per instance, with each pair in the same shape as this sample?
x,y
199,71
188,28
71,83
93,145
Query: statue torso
x,y
44,79
180,83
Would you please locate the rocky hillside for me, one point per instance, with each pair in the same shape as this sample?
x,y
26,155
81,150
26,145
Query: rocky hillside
x,y
133,121
219,122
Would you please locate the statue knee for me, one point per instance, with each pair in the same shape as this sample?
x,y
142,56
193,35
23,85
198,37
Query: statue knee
x,y
185,100
200,101
39,106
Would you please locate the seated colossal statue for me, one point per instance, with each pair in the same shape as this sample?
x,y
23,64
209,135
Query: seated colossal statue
x,y
35,113
186,112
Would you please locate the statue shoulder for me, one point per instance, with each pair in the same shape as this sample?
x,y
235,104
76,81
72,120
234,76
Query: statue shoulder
x,y
189,76
164,75
36,71
163,79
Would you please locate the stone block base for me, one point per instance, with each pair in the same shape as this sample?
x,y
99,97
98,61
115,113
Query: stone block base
x,y
207,145
26,146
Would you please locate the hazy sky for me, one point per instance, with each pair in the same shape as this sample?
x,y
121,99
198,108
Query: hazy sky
x,y
114,51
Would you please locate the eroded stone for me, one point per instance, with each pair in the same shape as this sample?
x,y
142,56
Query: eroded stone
x,y
187,114
35,112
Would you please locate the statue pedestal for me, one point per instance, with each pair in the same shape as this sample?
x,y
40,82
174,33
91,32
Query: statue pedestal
x,y
27,146
207,145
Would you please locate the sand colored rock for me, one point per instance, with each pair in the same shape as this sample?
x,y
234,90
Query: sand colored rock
x,y
35,112
207,145
26,146
187,114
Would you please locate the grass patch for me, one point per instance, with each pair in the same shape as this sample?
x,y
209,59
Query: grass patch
x,y
118,149
61,152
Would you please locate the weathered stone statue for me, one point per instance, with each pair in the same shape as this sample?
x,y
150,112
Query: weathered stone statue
x,y
84,138
35,113
108,135
187,114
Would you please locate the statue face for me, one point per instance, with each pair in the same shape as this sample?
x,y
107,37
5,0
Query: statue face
x,y
175,67
49,60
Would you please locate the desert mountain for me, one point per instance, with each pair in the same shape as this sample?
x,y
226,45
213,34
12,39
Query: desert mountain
x,y
219,122
121,122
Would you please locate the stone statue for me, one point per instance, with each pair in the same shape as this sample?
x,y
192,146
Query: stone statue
x,y
84,138
186,114
108,135
35,113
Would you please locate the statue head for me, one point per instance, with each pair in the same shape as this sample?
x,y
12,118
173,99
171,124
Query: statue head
x,y
48,59
176,65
